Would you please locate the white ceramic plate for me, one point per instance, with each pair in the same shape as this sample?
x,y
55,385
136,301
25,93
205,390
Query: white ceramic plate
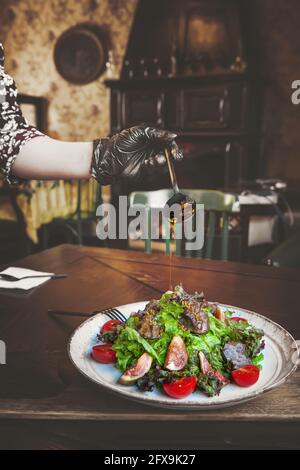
x,y
277,366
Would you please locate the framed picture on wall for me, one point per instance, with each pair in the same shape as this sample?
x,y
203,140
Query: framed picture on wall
x,y
34,108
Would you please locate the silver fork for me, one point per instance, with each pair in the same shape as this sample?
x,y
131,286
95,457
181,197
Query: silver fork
x,y
112,313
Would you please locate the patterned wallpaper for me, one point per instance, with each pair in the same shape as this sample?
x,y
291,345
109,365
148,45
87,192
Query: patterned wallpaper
x,y
29,30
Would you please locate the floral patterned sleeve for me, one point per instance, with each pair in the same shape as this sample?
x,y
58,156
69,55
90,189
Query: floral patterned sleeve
x,y
14,129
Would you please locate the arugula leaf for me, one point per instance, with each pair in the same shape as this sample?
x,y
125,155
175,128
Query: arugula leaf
x,y
169,314
247,334
107,336
129,346
256,360
133,321
133,335
211,386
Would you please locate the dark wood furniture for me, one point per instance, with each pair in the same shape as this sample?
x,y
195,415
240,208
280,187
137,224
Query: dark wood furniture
x,y
203,35
213,104
211,116
46,403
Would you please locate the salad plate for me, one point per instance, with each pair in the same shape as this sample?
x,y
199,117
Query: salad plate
x,y
275,359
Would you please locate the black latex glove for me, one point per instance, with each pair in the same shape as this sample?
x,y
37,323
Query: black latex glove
x,y
131,153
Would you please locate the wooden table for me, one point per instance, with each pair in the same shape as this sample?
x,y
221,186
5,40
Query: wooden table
x,y
46,403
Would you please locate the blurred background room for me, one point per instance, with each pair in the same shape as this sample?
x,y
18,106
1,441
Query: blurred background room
x,y
219,73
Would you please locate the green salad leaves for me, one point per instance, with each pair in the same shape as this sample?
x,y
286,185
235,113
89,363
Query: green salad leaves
x,y
130,344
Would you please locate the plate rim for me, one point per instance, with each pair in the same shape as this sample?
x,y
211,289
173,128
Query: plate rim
x,y
181,404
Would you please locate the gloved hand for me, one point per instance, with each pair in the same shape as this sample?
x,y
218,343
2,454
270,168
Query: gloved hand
x,y
131,153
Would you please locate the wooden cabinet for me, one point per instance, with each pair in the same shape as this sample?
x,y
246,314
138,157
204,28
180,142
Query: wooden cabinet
x,y
205,108
216,119
220,107
143,106
215,107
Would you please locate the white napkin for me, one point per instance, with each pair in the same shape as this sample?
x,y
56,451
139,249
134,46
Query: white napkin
x,y
25,284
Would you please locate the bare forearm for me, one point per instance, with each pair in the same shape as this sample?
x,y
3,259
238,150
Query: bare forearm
x,y
44,158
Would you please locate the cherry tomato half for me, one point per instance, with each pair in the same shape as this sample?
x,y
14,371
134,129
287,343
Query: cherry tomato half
x,y
103,353
180,388
110,325
238,319
245,376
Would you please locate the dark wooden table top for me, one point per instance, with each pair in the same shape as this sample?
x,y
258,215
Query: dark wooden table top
x,y
39,383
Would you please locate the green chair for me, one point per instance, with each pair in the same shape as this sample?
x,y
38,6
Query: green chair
x,y
217,206
153,200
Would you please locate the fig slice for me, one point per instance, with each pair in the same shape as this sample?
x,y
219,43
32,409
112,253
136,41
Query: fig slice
x,y
208,370
141,368
220,315
177,356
